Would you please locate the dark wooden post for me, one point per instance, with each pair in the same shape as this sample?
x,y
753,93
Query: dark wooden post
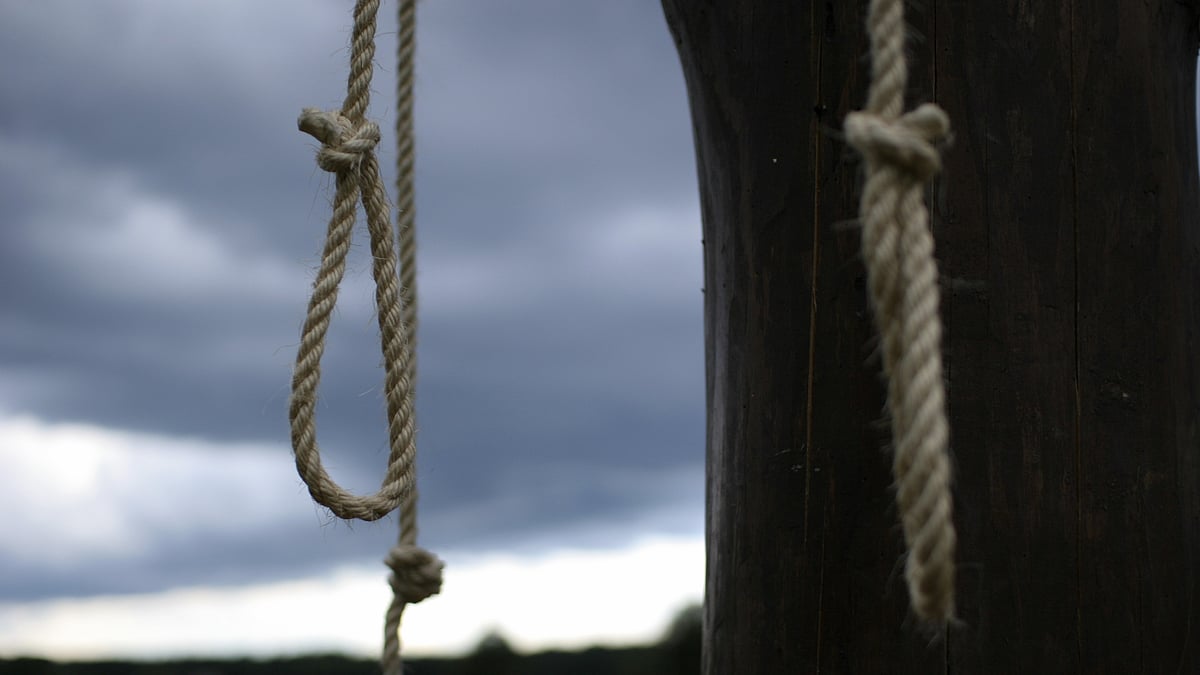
x,y
1068,232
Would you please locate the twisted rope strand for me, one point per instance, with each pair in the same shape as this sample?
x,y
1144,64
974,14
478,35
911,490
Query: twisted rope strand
x,y
416,573
405,164
898,252
348,141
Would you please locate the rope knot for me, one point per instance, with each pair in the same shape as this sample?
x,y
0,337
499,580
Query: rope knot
x,y
416,573
343,145
906,143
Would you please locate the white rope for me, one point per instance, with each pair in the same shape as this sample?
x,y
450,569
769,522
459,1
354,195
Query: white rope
x,y
898,251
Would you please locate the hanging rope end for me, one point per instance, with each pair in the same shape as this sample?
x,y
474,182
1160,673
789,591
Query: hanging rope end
x,y
322,125
932,541
935,605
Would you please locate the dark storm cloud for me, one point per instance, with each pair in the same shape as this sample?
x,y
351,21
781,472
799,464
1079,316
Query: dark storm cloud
x,y
164,217
175,512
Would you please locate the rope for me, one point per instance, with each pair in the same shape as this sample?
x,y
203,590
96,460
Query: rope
x,y
348,142
898,251
416,573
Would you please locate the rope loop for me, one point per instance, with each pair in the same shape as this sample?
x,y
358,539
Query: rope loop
x,y
347,149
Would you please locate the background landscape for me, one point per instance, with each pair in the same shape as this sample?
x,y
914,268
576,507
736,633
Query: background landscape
x,y
162,225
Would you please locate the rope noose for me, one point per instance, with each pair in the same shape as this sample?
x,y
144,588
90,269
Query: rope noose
x,y
898,252
348,142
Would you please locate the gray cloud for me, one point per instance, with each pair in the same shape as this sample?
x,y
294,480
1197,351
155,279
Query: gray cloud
x,y
163,222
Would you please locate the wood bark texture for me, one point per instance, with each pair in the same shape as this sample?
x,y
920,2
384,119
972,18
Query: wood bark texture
x,y
1067,223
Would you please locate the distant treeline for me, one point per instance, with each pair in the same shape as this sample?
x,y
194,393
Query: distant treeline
x,y
677,654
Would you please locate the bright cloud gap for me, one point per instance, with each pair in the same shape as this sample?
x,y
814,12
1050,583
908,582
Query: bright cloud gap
x,y
566,599
137,488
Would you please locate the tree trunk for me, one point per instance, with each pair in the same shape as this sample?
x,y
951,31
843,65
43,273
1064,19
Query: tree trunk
x,y
1067,222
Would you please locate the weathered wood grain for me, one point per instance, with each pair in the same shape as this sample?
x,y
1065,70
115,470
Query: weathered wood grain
x,y
1068,233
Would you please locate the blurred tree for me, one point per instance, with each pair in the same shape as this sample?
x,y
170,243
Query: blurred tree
x,y
492,656
681,644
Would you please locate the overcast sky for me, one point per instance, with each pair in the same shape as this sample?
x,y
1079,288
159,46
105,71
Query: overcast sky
x,y
161,226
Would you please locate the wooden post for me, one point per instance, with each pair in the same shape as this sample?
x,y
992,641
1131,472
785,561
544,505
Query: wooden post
x,y
1067,224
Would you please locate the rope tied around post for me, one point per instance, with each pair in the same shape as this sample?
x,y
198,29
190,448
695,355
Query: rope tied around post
x,y
897,246
348,141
